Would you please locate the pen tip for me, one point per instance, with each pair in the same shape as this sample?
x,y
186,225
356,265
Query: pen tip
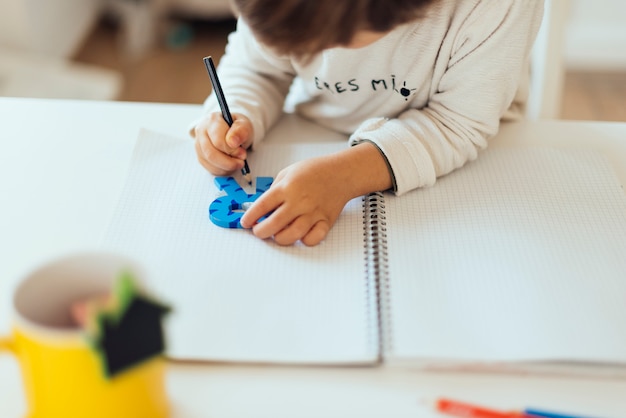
x,y
248,178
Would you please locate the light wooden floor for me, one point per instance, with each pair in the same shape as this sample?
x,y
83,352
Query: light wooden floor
x,y
177,74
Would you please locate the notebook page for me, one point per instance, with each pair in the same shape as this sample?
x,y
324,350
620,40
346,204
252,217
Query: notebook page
x,y
520,255
236,297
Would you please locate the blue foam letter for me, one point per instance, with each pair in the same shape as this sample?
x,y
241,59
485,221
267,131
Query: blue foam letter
x,y
222,211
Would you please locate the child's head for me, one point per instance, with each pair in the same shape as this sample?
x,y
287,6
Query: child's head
x,y
306,27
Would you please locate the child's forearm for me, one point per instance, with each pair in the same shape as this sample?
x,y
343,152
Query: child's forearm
x,y
362,169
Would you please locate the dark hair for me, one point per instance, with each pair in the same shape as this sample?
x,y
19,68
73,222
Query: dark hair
x,y
306,27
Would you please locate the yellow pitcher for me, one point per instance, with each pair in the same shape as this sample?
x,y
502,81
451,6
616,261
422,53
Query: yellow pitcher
x,y
63,376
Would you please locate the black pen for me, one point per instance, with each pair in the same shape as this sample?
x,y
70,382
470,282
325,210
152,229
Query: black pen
x,y
217,88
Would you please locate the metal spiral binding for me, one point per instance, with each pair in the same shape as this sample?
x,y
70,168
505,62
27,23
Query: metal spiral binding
x,y
376,262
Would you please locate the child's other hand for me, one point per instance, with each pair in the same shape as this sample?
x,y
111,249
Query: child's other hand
x,y
306,199
220,149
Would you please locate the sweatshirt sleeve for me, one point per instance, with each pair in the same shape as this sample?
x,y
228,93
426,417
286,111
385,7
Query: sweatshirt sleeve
x,y
255,81
480,78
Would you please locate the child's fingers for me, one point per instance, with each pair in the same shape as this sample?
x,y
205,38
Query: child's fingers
x,y
240,133
216,130
294,230
214,161
265,204
316,234
279,219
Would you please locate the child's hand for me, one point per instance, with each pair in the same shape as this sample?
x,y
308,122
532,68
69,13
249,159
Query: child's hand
x,y
220,149
306,197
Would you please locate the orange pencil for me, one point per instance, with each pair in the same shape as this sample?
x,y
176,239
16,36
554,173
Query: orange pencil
x,y
465,410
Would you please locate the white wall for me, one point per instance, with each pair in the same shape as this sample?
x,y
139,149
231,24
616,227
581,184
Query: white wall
x,y
595,37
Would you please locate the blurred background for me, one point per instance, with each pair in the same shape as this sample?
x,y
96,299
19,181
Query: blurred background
x,y
151,51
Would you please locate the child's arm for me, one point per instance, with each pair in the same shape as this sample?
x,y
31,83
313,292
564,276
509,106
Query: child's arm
x,y
255,82
307,197
476,80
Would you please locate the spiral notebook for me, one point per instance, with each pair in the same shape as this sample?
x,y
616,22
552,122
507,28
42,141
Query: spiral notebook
x,y
517,257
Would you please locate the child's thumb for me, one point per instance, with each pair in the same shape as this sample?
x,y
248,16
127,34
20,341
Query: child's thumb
x,y
233,140
238,134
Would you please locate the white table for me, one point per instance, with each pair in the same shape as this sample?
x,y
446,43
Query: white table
x,y
62,167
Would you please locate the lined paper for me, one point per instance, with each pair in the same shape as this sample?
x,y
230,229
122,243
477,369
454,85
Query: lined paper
x,y
520,255
236,297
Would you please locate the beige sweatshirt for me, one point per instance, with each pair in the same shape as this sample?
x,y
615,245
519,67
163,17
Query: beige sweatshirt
x,y
429,94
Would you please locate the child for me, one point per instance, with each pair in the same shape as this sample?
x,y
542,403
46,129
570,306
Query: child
x,y
419,85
